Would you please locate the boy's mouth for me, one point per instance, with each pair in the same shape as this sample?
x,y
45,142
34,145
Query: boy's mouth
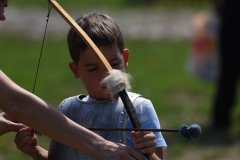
x,y
104,89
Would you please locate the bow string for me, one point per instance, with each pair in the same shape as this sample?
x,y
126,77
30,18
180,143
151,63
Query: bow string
x,y
41,51
40,55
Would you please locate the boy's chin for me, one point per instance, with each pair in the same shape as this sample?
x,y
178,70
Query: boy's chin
x,y
106,96
103,96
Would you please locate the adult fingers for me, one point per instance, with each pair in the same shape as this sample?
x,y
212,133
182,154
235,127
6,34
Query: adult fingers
x,y
135,155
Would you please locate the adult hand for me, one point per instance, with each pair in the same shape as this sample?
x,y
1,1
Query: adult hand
x,y
7,125
117,151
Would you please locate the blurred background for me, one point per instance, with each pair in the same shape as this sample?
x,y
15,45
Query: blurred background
x,y
174,62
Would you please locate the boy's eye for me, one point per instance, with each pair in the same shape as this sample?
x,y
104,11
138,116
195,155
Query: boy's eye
x,y
114,64
92,69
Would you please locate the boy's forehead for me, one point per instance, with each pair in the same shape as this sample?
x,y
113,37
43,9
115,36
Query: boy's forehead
x,y
102,48
107,51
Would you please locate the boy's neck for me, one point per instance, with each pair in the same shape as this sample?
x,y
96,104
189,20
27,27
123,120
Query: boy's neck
x,y
88,98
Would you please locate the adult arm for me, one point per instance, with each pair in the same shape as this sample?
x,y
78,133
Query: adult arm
x,y
29,109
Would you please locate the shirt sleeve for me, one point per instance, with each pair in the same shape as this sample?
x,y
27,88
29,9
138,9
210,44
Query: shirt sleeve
x,y
148,119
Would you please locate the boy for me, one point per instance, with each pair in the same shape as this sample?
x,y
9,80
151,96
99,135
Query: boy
x,y
97,109
29,109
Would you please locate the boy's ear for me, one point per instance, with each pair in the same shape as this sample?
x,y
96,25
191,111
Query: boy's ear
x,y
74,69
126,56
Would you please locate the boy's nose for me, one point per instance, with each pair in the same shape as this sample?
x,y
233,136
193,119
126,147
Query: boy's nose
x,y
2,15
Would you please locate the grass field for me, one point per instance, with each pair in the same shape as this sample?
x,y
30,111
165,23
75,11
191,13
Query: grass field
x,y
158,70
159,74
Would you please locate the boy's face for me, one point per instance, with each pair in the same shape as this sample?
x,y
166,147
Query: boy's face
x,y
91,70
3,4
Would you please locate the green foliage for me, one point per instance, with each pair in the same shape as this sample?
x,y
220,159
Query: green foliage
x,y
116,4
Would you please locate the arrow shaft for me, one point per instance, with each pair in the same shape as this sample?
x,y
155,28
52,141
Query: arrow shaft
x,y
134,129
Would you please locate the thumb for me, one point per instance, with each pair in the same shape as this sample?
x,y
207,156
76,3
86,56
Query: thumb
x,y
14,127
133,134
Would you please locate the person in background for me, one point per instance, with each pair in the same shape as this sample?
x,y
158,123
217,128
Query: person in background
x,y
203,61
229,52
3,4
